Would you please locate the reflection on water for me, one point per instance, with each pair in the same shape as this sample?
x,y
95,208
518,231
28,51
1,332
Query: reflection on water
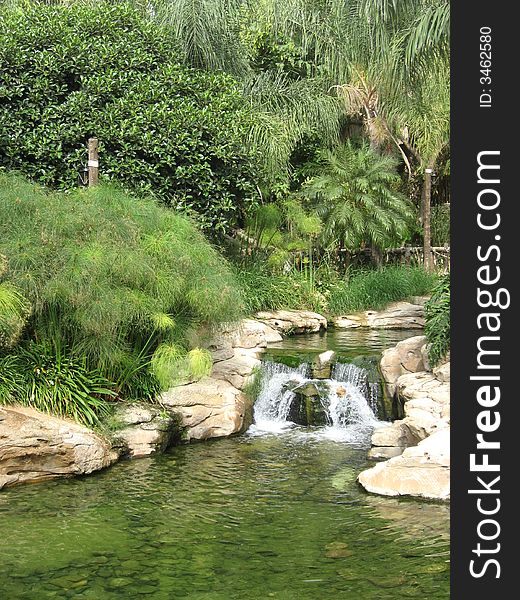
x,y
277,516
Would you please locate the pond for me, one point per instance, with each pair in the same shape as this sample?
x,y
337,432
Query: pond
x,y
252,517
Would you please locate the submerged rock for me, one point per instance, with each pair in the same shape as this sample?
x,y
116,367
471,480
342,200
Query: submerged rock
x,y
36,447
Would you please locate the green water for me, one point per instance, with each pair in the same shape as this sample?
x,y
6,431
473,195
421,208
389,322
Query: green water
x,y
246,518
351,345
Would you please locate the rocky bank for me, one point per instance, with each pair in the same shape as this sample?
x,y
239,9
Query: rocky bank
x,y
36,446
416,446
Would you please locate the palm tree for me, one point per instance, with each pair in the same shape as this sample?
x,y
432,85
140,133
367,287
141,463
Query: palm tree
x,y
420,112
357,198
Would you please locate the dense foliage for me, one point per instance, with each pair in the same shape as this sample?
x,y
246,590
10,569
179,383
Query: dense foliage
x,y
438,319
298,134
358,198
69,72
116,283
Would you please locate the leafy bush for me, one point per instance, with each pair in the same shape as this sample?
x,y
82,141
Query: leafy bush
x,y
74,71
40,376
111,278
365,290
437,327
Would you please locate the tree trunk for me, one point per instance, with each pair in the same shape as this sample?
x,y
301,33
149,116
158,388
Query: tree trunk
x,y
426,218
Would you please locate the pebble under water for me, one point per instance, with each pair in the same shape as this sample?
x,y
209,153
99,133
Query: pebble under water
x,y
246,518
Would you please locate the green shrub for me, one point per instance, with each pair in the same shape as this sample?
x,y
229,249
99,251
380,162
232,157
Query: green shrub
x,y
365,290
69,72
110,277
438,326
40,376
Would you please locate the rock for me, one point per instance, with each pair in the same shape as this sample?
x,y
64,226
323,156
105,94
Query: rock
x,y
405,357
236,370
209,408
221,350
396,434
384,452
442,372
400,315
251,333
423,470
413,386
147,429
306,407
322,365
293,321
36,447
350,321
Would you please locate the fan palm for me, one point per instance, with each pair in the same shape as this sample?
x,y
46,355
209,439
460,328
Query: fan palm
x,y
357,199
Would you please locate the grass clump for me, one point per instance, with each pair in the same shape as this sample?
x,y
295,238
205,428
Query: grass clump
x,y
263,289
438,321
111,280
364,290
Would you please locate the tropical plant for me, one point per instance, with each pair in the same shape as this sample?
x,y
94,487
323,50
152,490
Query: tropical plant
x,y
111,278
438,321
358,200
41,376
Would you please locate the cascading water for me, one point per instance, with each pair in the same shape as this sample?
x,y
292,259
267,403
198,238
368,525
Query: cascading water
x,y
274,401
348,400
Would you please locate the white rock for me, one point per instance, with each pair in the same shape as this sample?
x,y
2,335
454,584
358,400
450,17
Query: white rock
x,y
293,321
35,447
423,470
208,408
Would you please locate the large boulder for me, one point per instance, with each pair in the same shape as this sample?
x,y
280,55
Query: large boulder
x,y
247,333
209,408
405,357
36,447
413,386
293,321
398,315
422,470
144,429
237,370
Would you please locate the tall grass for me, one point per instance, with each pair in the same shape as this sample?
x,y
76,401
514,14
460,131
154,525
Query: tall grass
x,y
364,290
111,278
265,290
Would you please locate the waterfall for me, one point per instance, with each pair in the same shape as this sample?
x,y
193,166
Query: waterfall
x,y
273,403
348,400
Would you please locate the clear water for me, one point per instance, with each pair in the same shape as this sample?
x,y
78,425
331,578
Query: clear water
x,y
250,518
273,515
349,344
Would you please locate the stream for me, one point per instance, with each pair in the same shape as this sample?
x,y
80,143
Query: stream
x,y
275,513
